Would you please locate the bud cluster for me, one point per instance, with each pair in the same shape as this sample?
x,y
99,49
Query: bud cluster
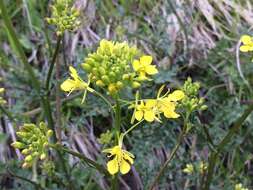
x,y
64,16
191,101
2,101
110,66
33,141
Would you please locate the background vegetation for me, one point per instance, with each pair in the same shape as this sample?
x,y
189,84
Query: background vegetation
x,y
186,38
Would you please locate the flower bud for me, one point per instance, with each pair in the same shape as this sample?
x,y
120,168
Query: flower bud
x,y
100,83
28,158
18,145
43,156
49,133
86,67
136,84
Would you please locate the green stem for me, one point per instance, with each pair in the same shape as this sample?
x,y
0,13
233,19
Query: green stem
x,y
90,162
172,154
50,71
223,143
115,180
131,128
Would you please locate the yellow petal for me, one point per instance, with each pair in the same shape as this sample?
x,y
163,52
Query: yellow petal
x,y
128,156
112,166
151,69
246,39
68,85
171,114
176,95
146,60
246,48
150,103
73,72
124,167
138,115
149,116
136,65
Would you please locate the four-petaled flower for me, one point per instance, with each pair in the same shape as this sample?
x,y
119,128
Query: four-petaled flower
x,y
75,83
167,104
122,160
147,110
143,67
247,42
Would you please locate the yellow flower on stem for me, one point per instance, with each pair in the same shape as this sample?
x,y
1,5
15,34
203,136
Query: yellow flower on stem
x,y
75,83
143,67
147,110
247,42
122,160
167,103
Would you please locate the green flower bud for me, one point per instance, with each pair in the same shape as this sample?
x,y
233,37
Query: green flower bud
x,y
49,133
204,107
136,84
102,70
25,151
28,158
105,79
43,156
18,145
28,127
100,83
26,165
119,85
86,67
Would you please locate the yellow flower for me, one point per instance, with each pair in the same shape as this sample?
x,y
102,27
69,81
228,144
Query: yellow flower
x,y
147,110
143,67
189,169
75,83
247,43
240,187
122,160
167,103
2,101
202,167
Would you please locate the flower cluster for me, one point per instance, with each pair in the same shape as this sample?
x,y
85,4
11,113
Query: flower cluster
x,y
64,16
2,101
113,66
239,186
191,101
151,109
33,142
